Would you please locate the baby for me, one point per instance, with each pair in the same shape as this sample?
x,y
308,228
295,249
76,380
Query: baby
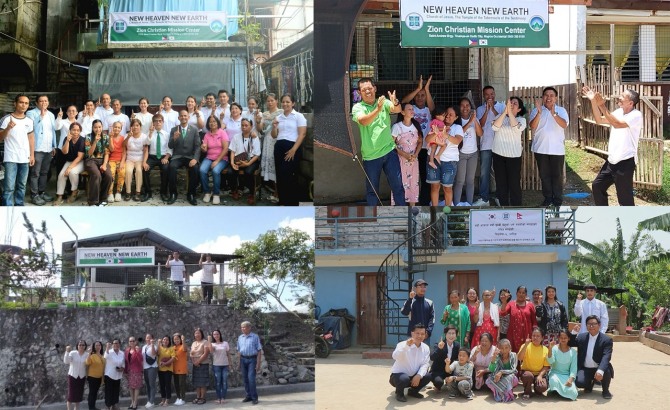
x,y
439,130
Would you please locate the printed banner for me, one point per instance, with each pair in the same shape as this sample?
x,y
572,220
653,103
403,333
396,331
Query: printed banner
x,y
507,227
167,26
126,256
474,23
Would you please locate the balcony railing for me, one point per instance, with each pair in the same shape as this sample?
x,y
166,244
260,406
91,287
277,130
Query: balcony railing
x,y
386,232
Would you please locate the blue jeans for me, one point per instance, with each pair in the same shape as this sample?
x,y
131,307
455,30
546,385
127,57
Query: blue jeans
x,y
221,376
216,174
14,187
485,173
391,166
248,370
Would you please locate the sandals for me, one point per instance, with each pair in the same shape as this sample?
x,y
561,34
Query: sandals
x,y
199,400
525,397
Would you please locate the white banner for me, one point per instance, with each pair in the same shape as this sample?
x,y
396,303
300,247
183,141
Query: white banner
x,y
507,227
119,256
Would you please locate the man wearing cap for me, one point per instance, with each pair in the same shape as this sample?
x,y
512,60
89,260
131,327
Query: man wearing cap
x,y
419,309
591,306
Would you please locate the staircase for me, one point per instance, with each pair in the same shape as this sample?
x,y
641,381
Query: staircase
x,y
396,273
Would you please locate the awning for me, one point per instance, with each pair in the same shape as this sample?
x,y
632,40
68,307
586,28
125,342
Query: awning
x,y
128,79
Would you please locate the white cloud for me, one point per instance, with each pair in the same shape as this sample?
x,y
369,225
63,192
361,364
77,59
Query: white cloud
x,y
304,224
222,244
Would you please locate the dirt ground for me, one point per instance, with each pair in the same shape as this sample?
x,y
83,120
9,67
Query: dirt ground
x,y
345,381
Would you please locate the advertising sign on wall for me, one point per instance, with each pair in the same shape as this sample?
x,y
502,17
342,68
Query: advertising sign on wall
x,y
117,256
167,26
474,23
507,227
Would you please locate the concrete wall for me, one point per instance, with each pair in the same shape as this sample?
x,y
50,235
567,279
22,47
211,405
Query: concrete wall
x,y
33,343
24,25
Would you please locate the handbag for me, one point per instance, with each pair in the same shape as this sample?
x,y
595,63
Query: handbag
x,y
242,156
150,360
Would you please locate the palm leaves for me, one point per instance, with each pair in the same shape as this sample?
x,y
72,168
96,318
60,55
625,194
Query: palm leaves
x,y
657,223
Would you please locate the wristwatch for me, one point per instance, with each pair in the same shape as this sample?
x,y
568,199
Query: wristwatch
x,y
555,114
396,102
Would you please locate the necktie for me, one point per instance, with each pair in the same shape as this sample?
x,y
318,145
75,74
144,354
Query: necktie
x,y
158,144
183,132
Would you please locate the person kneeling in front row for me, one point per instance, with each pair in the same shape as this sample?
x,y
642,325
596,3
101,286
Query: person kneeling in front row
x,y
410,369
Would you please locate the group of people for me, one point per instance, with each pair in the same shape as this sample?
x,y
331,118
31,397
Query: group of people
x,y
499,346
166,359
431,146
205,138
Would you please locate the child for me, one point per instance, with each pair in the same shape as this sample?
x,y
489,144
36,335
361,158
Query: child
x,y
437,137
461,375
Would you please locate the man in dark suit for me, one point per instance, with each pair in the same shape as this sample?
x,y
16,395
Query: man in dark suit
x,y
185,146
594,351
447,349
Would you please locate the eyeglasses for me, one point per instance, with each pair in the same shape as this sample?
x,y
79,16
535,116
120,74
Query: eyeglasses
x,y
592,324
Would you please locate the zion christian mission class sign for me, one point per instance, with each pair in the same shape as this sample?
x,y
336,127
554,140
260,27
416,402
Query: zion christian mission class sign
x,y
474,23
168,26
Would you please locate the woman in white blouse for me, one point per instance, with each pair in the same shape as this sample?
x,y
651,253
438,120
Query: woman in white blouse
x,y
507,150
137,152
289,128
144,116
76,375
115,362
221,361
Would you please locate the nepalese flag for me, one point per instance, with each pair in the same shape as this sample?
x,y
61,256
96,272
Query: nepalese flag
x,y
519,216
474,42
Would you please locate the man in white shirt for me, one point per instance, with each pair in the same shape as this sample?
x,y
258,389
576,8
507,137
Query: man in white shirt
x,y
223,110
177,272
410,369
548,122
209,107
591,306
117,115
85,118
486,114
594,352
103,109
625,126
159,156
44,127
16,131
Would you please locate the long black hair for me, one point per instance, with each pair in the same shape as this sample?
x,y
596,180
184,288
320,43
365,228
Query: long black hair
x,y
416,124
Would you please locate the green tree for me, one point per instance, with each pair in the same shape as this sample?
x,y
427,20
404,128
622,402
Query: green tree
x,y
30,272
282,262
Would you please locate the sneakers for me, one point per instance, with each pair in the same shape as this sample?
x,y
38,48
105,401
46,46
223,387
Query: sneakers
x,y
496,201
206,198
463,204
148,405
480,202
37,200
46,197
471,396
452,396
414,393
216,200
117,197
179,402
110,198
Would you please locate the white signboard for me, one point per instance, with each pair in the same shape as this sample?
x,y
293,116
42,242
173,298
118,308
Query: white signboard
x,y
118,256
507,227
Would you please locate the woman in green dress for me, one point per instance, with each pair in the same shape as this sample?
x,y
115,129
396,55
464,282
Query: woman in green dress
x,y
457,314
563,361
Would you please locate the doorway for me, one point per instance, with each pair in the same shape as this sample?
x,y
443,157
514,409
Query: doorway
x,y
462,280
368,324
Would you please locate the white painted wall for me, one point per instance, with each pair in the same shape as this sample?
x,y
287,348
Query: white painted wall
x,y
297,21
567,31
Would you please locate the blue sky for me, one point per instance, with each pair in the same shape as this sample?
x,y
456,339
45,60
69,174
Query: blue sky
x,y
206,229
596,224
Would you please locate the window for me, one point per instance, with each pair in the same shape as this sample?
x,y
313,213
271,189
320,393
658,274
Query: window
x,y
352,214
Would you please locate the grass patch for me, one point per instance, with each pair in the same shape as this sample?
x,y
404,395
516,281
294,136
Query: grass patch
x,y
660,196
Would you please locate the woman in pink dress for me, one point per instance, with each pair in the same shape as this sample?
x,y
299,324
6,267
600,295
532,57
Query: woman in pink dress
x,y
489,319
481,358
134,370
522,318
409,139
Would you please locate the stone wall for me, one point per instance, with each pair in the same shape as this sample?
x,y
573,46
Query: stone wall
x,y
23,24
32,344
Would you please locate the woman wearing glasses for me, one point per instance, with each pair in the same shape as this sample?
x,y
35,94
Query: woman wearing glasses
x,y
76,375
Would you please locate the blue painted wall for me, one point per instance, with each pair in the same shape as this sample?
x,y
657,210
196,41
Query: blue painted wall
x,y
336,287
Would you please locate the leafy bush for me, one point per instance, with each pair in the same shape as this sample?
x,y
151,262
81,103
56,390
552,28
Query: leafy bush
x,y
154,293
116,303
69,305
104,303
51,305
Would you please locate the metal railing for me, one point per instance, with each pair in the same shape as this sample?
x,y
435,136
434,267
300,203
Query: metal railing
x,y
390,231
